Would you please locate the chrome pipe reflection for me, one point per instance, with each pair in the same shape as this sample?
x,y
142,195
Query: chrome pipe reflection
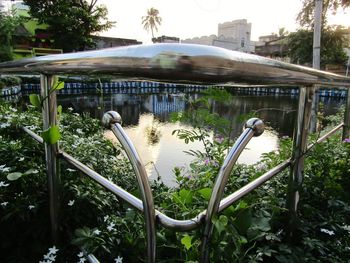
x,y
300,136
113,120
346,130
254,127
115,189
49,113
229,200
179,63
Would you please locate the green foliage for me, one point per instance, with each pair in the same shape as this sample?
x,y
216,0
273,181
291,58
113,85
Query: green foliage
x,y
72,23
207,126
250,230
332,38
306,15
8,25
9,81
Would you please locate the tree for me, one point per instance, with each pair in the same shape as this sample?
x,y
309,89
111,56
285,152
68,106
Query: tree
x,y
8,25
71,23
151,21
300,45
306,15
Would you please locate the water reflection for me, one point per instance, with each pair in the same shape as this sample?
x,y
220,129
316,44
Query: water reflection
x,y
146,121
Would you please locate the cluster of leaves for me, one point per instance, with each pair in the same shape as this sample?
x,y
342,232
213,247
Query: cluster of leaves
x,y
251,230
71,22
8,25
9,81
306,15
332,39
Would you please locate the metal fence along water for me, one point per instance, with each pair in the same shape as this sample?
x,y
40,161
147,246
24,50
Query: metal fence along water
x,y
165,63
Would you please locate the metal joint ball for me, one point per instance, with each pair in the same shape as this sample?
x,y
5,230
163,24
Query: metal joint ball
x,y
256,125
111,117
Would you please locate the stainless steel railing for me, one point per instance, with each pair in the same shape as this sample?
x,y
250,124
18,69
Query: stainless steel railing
x,y
180,63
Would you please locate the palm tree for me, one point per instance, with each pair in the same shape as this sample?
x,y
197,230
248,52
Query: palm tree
x,y
151,20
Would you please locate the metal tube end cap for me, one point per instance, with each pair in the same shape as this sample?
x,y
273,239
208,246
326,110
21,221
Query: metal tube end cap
x,y
111,117
256,125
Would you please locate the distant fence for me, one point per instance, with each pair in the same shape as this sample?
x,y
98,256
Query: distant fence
x,y
137,87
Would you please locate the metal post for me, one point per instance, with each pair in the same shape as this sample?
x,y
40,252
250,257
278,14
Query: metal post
x,y
316,58
112,119
49,112
346,129
299,148
254,127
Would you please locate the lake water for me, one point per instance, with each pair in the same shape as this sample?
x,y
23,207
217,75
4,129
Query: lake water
x,y
140,113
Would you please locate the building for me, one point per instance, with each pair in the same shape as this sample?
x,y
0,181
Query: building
x,y
166,39
272,46
234,35
107,42
203,40
31,38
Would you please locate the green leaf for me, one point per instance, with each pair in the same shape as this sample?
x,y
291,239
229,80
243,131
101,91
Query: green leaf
x,y
51,135
187,241
220,223
60,85
205,193
243,221
14,176
35,100
59,110
261,223
186,196
31,171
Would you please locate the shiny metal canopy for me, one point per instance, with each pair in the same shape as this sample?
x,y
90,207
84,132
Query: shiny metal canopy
x,y
177,63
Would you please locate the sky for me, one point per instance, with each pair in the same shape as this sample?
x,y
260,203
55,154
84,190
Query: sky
x,y
195,18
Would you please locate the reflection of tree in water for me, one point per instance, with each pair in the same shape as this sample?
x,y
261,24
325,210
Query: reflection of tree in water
x,y
153,132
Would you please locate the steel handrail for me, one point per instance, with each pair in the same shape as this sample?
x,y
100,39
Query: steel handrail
x,y
166,221
177,63
113,120
254,127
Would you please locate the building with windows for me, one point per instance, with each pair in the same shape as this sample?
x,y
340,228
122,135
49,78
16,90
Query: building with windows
x,y
233,35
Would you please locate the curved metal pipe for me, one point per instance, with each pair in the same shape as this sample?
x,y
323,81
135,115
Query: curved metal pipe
x,y
254,127
180,63
113,120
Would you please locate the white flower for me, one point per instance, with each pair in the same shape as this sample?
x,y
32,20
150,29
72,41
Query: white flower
x,y
3,168
80,131
3,204
96,232
13,109
81,254
4,125
326,231
3,184
71,202
110,227
70,170
53,250
30,207
82,260
119,259
21,159
52,258
70,109
105,218
347,227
